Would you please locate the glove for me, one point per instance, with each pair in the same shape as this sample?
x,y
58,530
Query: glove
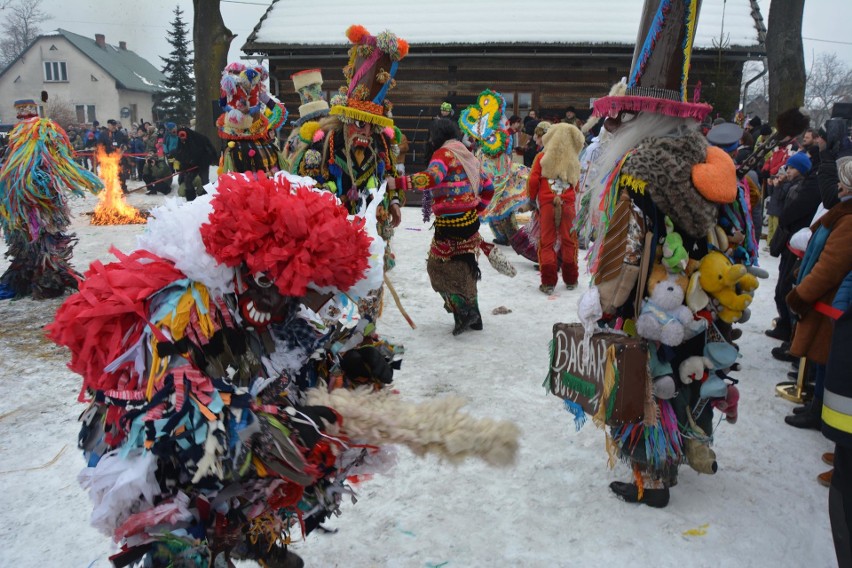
x,y
366,363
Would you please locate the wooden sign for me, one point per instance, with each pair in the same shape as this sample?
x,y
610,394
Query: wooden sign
x,y
579,377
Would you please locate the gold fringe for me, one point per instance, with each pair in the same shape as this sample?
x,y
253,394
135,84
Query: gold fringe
x,y
611,451
609,382
360,115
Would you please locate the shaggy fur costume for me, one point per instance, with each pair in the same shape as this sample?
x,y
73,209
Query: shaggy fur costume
x,y
666,165
435,426
562,145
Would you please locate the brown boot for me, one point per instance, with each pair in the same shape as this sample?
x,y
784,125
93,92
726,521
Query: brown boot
x,y
824,479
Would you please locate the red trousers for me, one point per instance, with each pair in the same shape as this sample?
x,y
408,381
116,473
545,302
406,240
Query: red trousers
x,y
547,256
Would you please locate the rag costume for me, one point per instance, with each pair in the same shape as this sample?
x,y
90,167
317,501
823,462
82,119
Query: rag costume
x,y
485,123
234,382
249,120
458,191
37,170
552,186
652,358
349,152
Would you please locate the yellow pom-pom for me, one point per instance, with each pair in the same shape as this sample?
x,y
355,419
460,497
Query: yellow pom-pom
x,y
231,144
307,131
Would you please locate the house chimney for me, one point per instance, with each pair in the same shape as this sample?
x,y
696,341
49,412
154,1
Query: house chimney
x,y
100,39
122,45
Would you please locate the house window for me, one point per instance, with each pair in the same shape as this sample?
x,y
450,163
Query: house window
x,y
85,113
518,103
55,71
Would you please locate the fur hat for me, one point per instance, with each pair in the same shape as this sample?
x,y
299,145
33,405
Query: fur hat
x,y
844,170
665,165
562,145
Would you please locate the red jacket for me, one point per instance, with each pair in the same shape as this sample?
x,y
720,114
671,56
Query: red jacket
x,y
538,186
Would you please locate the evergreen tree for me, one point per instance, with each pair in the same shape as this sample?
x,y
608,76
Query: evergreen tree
x,y
177,102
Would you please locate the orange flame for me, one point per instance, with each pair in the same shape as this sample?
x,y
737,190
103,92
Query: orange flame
x,y
111,208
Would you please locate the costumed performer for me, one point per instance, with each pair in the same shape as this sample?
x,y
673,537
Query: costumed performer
x,y
233,386
313,107
249,120
456,190
654,203
486,124
552,188
38,168
350,150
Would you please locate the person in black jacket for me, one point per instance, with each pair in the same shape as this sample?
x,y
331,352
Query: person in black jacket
x,y
801,199
835,144
195,154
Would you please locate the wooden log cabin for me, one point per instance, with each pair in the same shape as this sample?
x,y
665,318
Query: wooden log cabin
x,y
544,55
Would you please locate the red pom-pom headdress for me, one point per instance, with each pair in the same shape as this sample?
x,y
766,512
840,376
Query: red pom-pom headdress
x,y
296,235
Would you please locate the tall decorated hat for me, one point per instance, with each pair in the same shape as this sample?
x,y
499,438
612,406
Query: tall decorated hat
x,y
373,61
308,84
660,70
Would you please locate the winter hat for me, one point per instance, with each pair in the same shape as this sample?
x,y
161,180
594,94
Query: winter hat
x,y
801,162
844,170
765,130
446,107
755,122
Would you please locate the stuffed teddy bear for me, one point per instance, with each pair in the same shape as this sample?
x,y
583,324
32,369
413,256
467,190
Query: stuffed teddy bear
x,y
664,318
721,279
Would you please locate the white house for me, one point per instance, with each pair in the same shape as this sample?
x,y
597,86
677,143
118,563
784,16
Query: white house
x,y
100,81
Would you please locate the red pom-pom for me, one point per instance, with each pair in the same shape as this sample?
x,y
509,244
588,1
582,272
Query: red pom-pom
x,y
357,34
403,47
296,235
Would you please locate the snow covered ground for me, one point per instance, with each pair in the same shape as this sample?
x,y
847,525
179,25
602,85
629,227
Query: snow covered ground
x,y
553,508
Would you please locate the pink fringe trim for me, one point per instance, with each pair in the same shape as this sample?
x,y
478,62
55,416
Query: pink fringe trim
x,y
611,106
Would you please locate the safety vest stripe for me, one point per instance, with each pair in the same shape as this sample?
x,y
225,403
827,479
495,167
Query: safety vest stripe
x,y
837,420
838,402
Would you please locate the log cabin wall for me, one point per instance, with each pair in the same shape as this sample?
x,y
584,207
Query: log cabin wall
x,y
552,77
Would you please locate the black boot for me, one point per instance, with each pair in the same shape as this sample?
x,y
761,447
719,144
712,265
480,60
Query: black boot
x,y
463,319
657,498
809,417
476,319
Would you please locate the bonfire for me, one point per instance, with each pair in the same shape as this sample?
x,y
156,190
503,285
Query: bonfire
x,y
112,209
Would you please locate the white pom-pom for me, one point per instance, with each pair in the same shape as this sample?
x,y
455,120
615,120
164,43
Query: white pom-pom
x,y
173,232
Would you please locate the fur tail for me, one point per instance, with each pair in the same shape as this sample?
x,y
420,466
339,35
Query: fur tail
x,y
436,426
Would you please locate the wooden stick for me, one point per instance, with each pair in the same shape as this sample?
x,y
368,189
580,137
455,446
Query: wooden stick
x,y
398,303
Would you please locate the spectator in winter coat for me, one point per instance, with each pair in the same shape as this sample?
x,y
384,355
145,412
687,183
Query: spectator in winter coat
x,y
801,199
827,261
137,146
170,139
834,144
157,175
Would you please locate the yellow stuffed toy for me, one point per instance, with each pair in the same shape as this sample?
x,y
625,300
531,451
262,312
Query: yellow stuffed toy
x,y
730,285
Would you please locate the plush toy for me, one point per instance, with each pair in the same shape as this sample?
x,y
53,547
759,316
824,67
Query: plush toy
x,y
675,256
694,369
664,317
729,284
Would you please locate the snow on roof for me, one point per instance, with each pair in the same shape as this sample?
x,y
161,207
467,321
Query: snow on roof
x,y
496,21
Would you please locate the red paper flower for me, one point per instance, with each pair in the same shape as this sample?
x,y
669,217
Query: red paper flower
x,y
295,235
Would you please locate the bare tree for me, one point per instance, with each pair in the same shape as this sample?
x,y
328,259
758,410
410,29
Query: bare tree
x,y
20,28
785,56
211,39
61,112
829,81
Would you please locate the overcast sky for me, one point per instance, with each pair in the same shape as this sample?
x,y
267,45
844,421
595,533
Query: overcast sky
x,y
143,24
